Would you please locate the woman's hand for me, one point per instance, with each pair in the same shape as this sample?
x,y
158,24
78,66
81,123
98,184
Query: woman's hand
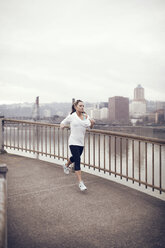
x,y
62,126
92,123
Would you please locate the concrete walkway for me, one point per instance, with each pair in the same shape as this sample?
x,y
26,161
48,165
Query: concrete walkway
x,y
47,210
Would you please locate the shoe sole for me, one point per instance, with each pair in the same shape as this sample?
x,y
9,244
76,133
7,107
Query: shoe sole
x,y
83,189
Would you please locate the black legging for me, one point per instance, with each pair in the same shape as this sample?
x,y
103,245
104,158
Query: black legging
x,y
76,153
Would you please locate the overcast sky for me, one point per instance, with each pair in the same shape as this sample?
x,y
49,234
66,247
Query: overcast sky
x,y
86,49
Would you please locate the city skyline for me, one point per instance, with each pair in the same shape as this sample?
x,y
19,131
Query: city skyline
x,y
70,101
96,102
89,50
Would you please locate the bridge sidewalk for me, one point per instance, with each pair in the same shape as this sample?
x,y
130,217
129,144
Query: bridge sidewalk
x,y
47,210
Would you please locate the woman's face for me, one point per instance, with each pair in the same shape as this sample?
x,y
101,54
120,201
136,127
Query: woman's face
x,y
80,107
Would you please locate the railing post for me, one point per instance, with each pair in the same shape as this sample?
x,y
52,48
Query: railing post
x,y
2,135
3,206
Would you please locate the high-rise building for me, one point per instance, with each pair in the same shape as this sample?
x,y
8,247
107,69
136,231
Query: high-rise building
x,y
138,105
118,109
139,93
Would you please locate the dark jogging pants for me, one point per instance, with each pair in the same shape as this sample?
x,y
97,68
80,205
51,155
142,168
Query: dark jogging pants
x,y
76,154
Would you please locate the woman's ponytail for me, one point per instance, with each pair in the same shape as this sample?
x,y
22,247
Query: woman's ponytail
x,y
73,106
73,109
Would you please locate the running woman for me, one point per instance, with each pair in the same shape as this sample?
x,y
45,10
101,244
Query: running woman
x,y
78,121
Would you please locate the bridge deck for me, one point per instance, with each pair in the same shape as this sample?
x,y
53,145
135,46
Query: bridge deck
x,y
47,210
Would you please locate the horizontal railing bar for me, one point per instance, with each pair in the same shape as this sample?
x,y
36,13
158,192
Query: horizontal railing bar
x,y
129,136
31,122
105,132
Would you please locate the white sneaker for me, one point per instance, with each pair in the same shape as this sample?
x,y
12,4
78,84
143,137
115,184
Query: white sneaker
x,y
82,186
66,169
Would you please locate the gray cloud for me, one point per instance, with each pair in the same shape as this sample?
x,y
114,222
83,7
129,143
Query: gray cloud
x,y
83,49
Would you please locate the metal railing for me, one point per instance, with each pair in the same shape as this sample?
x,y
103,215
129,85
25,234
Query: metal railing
x,y
135,158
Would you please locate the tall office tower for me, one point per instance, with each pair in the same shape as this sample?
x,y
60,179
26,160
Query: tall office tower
x,y
139,93
118,109
138,105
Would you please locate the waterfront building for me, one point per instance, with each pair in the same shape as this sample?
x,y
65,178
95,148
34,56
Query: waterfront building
x,y
118,109
104,113
95,114
160,105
